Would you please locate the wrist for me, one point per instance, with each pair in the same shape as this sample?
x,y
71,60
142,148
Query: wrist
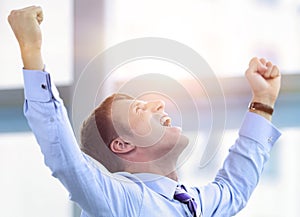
x,y
32,58
264,100
264,110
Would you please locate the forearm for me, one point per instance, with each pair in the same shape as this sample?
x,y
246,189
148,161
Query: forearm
x,y
242,168
48,120
47,117
240,173
32,58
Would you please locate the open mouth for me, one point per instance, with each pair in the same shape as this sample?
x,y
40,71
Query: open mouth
x,y
165,121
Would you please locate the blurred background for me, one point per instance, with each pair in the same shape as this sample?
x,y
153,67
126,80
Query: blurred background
x,y
227,34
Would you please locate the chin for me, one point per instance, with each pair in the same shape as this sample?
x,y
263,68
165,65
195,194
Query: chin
x,y
181,139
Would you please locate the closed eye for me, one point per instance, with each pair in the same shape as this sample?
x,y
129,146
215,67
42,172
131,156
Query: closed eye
x,y
139,107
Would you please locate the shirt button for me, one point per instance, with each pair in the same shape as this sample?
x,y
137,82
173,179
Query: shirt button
x,y
51,119
44,86
270,139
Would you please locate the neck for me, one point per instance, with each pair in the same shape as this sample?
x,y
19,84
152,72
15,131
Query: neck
x,y
162,170
173,175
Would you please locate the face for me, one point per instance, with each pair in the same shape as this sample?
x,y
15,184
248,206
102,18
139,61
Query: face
x,y
146,125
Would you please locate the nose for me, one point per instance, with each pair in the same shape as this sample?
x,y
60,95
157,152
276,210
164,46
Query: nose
x,y
157,105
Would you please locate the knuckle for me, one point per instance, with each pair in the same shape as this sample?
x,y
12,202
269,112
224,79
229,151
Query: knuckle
x,y
247,72
263,59
12,12
12,15
15,13
275,69
269,64
253,61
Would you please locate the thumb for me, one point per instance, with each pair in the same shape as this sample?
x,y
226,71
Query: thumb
x,y
39,15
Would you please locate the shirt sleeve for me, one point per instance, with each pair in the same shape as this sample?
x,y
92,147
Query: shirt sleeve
x,y
94,191
242,168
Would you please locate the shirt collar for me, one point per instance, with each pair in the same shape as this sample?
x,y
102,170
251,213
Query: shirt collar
x,y
160,184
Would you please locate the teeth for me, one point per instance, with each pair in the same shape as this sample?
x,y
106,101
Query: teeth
x,y
165,121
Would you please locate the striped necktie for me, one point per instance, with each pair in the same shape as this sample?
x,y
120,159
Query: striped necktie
x,y
182,196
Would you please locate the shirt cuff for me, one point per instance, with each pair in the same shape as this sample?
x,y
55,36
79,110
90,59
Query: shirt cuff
x,y
260,130
38,86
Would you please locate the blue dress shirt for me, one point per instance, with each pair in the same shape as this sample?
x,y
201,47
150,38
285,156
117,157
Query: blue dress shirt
x,y
101,194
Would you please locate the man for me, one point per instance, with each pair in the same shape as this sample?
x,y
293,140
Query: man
x,y
134,139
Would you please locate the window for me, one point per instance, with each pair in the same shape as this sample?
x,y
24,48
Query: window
x,y
225,33
57,42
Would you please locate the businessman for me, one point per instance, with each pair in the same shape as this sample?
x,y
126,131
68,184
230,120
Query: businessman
x,y
138,145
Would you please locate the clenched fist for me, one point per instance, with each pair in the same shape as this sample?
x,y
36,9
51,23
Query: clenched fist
x,y
25,24
264,79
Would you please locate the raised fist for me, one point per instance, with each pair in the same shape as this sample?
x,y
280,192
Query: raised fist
x,y
264,79
25,25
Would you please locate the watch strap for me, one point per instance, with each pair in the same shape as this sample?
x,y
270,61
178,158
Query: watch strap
x,y
261,107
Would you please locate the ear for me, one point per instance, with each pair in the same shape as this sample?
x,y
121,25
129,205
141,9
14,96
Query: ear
x,y
119,146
